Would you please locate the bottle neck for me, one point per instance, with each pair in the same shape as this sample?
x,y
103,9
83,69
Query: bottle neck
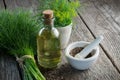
x,y
48,23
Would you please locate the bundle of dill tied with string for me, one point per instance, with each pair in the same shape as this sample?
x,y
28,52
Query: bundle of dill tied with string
x,y
18,31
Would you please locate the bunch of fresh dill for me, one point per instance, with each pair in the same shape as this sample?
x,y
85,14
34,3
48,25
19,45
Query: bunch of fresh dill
x,y
18,31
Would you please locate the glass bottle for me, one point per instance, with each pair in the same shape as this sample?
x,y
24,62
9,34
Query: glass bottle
x,y
48,42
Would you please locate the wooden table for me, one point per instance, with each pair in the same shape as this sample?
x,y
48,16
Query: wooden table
x,y
95,17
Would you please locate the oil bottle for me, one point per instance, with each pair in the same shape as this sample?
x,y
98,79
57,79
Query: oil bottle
x,y
48,42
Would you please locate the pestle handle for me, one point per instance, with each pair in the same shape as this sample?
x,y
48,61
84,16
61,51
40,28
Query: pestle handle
x,y
89,48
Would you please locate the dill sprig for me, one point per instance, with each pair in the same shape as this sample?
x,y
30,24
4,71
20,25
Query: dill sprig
x,y
18,31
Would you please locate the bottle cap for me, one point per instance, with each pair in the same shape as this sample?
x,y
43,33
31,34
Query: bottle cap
x,y
48,14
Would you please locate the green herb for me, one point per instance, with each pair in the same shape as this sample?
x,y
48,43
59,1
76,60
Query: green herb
x,y
64,10
18,31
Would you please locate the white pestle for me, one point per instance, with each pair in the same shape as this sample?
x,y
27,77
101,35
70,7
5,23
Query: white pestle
x,y
89,48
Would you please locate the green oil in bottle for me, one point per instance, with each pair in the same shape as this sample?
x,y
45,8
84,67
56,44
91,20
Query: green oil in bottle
x,y
48,43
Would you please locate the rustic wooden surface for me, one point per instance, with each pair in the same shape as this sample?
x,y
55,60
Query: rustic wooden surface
x,y
95,17
8,68
27,4
99,22
1,4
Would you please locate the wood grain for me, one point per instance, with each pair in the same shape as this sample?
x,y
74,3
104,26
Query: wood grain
x,y
8,68
26,4
1,4
99,24
110,8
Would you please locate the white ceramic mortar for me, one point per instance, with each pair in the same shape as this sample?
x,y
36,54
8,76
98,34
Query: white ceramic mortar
x,y
81,64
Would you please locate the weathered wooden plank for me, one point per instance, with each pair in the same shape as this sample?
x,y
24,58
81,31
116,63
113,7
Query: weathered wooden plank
x,y
101,70
99,24
8,68
1,4
28,4
110,8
